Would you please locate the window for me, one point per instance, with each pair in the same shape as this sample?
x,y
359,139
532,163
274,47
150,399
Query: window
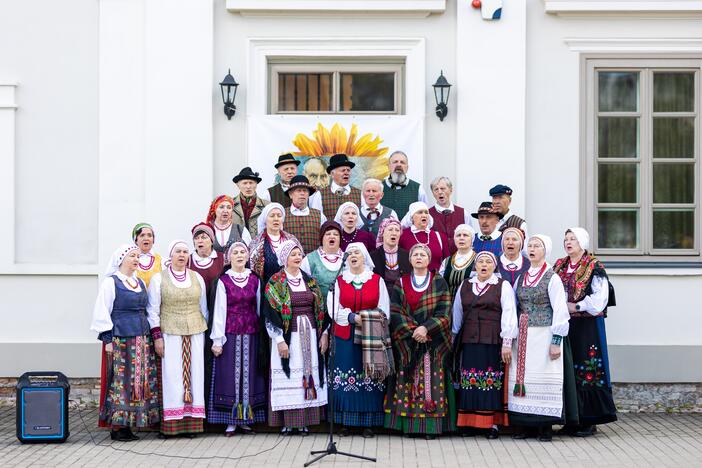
x,y
643,157
336,88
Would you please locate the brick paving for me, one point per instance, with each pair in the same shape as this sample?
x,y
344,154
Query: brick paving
x,y
636,440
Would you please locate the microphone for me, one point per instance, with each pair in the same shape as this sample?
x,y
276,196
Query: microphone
x,y
345,257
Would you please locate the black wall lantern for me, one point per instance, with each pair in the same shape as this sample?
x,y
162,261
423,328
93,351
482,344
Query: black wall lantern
x,y
228,87
442,88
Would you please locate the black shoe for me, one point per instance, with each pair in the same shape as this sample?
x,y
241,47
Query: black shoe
x,y
189,435
367,434
568,429
467,432
493,433
127,433
285,431
114,434
304,432
121,435
521,435
163,436
545,434
430,436
344,432
586,431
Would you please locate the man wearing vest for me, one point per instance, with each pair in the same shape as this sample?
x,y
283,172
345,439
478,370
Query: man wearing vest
x,y
501,200
248,205
372,212
489,237
400,190
329,199
447,216
302,221
287,169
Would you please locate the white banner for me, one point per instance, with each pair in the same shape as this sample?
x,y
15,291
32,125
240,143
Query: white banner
x,y
367,140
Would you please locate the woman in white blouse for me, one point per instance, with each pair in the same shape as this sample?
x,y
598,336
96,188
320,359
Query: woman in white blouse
x,y
484,323
238,395
459,266
536,370
178,313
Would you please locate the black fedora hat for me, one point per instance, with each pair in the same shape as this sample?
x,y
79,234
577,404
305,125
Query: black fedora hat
x,y
246,174
486,208
286,159
300,181
339,160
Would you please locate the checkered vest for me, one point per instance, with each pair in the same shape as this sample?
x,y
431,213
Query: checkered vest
x,y
304,228
372,226
278,196
331,201
400,199
494,246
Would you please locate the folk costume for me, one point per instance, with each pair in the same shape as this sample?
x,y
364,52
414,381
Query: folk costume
x,y
389,264
357,235
363,356
224,236
536,381
488,242
128,383
323,266
239,392
484,317
294,314
276,193
264,249
458,266
586,285
247,210
149,263
509,219
177,312
399,196
411,235
373,217
303,223
421,402
329,199
510,270
446,220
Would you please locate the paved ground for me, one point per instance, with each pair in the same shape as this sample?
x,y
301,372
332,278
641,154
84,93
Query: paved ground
x,y
635,440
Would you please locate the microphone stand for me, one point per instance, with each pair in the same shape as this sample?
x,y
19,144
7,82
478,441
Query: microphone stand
x,y
331,445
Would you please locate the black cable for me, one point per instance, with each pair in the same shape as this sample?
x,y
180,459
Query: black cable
x,y
182,457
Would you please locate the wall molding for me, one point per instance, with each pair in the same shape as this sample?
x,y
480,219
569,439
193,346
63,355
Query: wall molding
x,y
656,8
404,8
8,108
634,45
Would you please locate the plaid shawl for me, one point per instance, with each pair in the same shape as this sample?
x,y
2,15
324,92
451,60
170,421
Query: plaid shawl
x,y
433,311
276,309
374,337
581,279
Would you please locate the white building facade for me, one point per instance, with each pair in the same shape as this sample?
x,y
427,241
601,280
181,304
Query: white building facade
x,y
111,114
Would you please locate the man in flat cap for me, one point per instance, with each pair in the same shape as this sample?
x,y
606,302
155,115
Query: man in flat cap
x,y
329,199
247,204
287,169
302,221
400,191
489,236
501,200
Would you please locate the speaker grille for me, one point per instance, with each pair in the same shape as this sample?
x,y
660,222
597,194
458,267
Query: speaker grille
x,y
42,412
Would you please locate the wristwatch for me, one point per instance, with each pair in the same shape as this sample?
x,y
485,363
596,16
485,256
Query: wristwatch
x,y
577,306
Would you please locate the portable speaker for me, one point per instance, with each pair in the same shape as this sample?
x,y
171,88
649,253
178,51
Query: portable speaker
x,y
42,407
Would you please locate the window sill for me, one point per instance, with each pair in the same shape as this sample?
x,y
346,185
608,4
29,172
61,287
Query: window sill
x,y
623,7
420,8
648,268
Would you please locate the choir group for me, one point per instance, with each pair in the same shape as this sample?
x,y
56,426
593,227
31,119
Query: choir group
x,y
441,320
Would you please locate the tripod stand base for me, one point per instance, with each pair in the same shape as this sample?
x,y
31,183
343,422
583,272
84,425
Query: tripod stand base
x,y
331,450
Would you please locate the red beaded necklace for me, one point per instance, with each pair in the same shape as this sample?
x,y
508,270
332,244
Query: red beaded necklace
x,y
531,280
129,283
483,289
179,277
240,280
208,263
147,267
295,282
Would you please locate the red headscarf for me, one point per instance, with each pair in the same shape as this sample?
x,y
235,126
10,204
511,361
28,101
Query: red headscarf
x,y
215,203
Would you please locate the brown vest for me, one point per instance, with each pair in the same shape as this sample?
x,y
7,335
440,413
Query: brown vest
x,y
481,314
331,201
304,228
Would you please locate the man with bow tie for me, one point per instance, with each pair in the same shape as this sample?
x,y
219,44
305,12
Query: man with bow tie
x,y
488,238
372,212
400,190
447,216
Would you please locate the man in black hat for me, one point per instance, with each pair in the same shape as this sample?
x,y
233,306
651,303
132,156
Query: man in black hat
x,y
287,169
302,221
501,200
340,190
489,236
247,204
401,191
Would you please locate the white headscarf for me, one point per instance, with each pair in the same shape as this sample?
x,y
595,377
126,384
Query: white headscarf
x,y
171,247
342,208
413,208
465,228
118,257
369,265
263,217
488,254
546,240
286,248
231,247
582,236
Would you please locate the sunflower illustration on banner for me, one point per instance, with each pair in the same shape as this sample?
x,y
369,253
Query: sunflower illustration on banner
x,y
366,151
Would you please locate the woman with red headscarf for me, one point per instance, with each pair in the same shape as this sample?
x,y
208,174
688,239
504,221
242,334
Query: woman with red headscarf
x,y
220,216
